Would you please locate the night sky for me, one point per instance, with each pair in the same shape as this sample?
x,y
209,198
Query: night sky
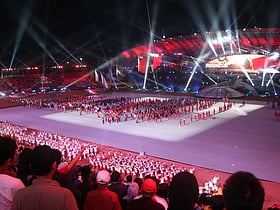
x,y
35,29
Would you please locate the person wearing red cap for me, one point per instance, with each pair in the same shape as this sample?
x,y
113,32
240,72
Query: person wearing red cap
x,y
102,198
149,188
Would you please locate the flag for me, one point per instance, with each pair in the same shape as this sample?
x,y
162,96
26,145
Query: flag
x,y
157,61
96,76
104,82
142,65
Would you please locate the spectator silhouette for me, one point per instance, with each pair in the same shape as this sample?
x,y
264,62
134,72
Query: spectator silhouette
x,y
243,191
162,190
44,193
24,170
118,187
212,202
183,191
87,182
9,184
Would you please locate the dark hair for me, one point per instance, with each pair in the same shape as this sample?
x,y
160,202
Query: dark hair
x,y
162,190
42,159
129,178
24,168
183,191
85,172
139,181
243,191
8,148
217,202
115,176
58,156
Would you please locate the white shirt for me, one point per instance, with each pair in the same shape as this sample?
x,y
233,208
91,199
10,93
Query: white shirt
x,y
9,186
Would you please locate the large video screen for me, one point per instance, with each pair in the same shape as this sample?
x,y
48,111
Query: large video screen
x,y
251,63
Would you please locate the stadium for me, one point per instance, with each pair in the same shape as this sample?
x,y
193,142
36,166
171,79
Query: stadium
x,y
214,64
220,64
206,102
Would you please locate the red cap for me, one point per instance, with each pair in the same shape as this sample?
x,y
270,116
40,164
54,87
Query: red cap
x,y
149,186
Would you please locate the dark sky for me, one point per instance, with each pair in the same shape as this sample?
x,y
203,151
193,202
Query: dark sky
x,y
31,29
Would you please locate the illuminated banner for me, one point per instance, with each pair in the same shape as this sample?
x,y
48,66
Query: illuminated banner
x,y
142,65
156,62
248,62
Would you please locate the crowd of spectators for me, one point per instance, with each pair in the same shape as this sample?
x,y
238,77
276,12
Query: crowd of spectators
x,y
36,81
104,189
137,165
128,180
105,178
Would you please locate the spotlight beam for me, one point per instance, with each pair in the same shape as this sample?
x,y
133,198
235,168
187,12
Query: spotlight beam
x,y
150,80
210,78
23,22
45,30
247,76
36,37
269,81
102,66
190,78
263,77
150,47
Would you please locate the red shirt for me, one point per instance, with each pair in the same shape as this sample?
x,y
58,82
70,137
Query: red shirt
x,y
102,199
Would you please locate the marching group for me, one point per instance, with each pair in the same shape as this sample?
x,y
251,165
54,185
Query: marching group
x,y
110,110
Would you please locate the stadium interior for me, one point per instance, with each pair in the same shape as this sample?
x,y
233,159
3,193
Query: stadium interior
x,y
232,64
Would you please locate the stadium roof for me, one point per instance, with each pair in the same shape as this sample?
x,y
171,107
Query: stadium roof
x,y
209,45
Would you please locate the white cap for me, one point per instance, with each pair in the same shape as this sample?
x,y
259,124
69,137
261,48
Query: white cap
x,y
103,177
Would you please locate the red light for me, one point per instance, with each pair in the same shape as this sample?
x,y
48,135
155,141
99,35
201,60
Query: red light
x,y
126,54
80,66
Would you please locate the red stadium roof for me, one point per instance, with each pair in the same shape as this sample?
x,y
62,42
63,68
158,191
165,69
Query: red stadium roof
x,y
209,45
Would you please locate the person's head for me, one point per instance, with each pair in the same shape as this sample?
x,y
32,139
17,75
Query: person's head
x,y
215,202
139,181
149,187
86,172
115,176
162,190
183,191
23,165
58,156
103,178
43,161
75,172
243,191
8,152
128,178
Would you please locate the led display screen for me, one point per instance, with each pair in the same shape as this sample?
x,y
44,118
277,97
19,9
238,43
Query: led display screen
x,y
248,62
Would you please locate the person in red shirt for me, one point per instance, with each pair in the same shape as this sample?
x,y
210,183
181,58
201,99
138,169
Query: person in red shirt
x,y
147,201
102,198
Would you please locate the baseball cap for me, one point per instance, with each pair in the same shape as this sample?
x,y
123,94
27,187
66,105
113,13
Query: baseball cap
x,y
103,177
149,186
